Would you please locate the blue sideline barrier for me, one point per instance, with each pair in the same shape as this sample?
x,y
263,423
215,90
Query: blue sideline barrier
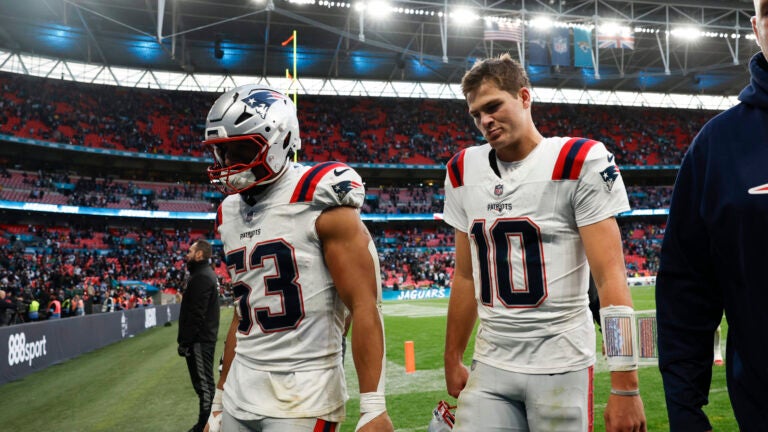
x,y
30,347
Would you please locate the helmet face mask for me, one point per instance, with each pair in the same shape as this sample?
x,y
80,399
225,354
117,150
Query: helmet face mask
x,y
239,162
252,131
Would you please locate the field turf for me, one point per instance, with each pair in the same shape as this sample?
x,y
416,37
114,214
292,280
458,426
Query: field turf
x,y
140,384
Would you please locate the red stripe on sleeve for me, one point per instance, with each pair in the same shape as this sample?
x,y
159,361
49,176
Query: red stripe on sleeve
x,y
557,173
580,158
305,188
219,218
456,169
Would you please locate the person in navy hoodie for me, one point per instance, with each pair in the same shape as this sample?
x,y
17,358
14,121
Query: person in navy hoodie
x,y
714,259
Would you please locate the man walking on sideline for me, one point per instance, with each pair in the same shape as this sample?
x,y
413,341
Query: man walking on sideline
x,y
199,326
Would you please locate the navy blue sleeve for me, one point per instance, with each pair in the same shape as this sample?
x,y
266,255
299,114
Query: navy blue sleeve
x,y
688,306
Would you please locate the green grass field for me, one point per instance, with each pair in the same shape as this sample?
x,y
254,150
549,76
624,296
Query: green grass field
x,y
140,384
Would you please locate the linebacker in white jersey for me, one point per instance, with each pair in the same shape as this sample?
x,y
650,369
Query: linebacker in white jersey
x,y
299,256
532,216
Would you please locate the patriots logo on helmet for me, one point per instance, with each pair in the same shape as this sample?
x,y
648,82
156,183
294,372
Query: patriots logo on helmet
x,y
609,176
260,101
342,188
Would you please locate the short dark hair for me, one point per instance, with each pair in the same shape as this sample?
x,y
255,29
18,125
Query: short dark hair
x,y
205,247
504,71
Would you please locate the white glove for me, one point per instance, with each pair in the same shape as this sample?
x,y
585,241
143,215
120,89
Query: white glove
x,y
214,419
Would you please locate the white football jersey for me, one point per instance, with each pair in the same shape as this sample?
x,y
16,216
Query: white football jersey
x,y
291,316
530,271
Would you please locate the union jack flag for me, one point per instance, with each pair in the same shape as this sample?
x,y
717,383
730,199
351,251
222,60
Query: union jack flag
x,y
625,41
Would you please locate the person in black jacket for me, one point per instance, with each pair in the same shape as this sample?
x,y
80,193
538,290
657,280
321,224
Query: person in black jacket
x,y
713,260
199,326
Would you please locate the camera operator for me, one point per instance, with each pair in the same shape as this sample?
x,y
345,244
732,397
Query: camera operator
x,y
22,307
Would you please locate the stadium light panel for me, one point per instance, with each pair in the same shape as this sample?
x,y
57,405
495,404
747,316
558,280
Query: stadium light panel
x,y
612,28
687,33
378,9
543,23
464,16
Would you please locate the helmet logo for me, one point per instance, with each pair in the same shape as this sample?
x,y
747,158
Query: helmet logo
x,y
260,101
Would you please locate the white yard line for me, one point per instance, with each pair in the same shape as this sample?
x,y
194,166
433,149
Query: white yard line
x,y
414,310
398,382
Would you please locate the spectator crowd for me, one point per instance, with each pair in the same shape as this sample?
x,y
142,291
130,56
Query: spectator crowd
x,y
70,270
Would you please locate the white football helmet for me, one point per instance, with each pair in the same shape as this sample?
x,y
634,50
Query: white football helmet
x,y
442,418
252,131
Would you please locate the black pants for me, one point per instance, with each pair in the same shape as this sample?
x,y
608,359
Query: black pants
x,y
200,365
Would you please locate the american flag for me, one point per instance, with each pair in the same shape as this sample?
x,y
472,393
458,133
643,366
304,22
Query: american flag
x,y
620,337
626,41
507,31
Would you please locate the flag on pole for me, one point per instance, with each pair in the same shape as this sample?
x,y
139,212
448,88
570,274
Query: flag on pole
x,y
624,41
561,49
289,40
582,47
538,50
507,31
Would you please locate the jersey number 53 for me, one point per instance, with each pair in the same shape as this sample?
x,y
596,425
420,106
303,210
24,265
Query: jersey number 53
x,y
283,283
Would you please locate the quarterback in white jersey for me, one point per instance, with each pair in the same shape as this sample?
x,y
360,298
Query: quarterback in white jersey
x,y
530,271
533,217
300,257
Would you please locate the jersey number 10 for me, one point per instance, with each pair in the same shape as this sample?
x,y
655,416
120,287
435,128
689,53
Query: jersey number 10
x,y
495,257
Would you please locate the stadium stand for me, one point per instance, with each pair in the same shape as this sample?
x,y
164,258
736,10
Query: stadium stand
x,y
385,130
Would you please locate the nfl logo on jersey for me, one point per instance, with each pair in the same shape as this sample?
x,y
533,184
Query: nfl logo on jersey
x,y
498,190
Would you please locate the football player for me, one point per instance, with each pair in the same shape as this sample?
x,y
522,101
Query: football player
x,y
299,256
533,216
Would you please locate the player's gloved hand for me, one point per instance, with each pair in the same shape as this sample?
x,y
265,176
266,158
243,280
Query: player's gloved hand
x,y
214,419
184,350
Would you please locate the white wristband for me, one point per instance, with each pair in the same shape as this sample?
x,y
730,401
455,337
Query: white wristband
x,y
216,404
619,337
372,404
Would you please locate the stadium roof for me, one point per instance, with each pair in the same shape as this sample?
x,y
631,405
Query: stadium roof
x,y
426,41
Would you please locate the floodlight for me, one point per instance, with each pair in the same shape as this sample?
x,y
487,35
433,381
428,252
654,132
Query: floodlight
x,y
612,29
378,9
687,33
464,15
542,22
